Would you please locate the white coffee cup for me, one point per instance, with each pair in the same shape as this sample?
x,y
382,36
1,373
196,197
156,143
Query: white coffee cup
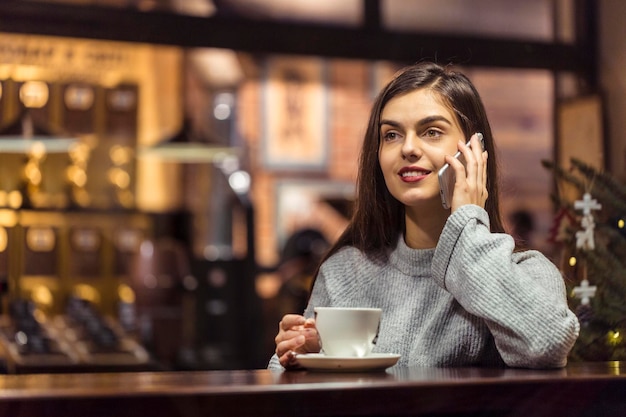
x,y
347,332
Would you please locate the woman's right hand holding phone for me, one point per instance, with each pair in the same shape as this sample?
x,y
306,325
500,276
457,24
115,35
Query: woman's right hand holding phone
x,y
295,335
470,186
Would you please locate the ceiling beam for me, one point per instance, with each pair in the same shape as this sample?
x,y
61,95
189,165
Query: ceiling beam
x,y
265,37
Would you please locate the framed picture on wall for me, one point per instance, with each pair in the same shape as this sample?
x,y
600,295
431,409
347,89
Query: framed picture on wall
x,y
295,113
324,205
581,132
581,136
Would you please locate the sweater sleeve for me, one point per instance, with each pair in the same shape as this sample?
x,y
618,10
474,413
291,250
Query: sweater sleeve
x,y
520,295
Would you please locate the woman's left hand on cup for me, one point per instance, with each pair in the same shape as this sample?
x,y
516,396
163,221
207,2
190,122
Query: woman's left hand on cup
x,y
295,335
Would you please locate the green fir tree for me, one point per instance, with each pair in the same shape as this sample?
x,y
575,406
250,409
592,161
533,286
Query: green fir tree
x,y
603,319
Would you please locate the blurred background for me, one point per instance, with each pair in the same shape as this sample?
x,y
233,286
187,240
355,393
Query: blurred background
x,y
172,170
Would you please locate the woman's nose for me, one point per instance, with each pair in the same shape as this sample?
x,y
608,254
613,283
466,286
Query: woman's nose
x,y
411,147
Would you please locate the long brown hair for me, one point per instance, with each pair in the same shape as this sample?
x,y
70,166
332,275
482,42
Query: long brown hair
x,y
378,218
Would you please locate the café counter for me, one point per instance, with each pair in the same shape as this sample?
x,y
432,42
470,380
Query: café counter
x,y
580,389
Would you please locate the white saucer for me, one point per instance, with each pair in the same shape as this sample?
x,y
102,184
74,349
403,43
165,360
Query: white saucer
x,y
372,362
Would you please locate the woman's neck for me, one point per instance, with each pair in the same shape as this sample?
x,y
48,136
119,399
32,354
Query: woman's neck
x,y
424,226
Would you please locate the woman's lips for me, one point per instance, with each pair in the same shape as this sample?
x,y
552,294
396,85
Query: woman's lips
x,y
413,174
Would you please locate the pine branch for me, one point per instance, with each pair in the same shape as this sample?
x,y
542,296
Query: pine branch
x,y
612,267
560,173
615,187
610,204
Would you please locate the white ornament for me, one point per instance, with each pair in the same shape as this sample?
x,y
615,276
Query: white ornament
x,y
584,291
584,238
587,204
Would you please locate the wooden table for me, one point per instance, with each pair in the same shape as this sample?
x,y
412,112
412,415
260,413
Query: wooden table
x,y
591,389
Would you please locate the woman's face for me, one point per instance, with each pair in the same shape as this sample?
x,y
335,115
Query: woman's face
x,y
416,132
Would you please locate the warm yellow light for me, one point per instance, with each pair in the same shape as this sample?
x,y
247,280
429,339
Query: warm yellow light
x,y
267,285
572,261
79,152
42,296
81,197
37,151
620,223
614,338
77,176
120,155
15,199
4,239
126,198
32,172
34,94
126,294
87,292
119,177
39,315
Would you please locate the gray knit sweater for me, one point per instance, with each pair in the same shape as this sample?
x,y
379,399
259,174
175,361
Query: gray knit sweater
x,y
471,301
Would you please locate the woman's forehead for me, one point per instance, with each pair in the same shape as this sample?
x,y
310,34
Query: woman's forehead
x,y
421,101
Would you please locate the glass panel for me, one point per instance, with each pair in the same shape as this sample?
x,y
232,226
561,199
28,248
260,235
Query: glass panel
x,y
528,19
189,7
344,12
544,20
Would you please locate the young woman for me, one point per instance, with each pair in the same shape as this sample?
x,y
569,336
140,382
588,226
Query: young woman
x,y
453,288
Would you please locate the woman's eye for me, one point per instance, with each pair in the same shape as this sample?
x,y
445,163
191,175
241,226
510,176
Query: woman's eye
x,y
390,135
432,133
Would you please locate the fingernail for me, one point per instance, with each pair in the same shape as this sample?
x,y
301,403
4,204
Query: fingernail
x,y
300,340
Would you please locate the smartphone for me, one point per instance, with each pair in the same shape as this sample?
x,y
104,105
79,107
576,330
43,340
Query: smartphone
x,y
447,177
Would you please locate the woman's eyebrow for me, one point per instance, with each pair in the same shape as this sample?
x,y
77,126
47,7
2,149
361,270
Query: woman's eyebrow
x,y
388,122
425,121
432,119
